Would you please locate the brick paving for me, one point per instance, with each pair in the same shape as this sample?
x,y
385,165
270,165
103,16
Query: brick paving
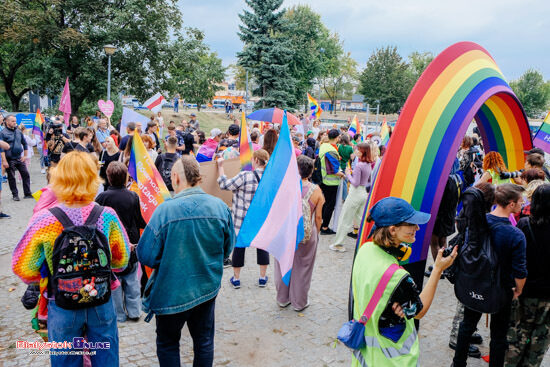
x,y
251,330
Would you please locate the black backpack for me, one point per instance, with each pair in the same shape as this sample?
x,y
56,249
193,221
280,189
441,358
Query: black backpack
x,y
81,263
317,176
477,274
166,170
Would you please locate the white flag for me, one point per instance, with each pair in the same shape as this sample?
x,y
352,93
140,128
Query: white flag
x,y
155,102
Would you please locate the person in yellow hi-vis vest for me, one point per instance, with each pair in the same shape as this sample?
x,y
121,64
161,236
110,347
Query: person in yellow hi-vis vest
x,y
390,334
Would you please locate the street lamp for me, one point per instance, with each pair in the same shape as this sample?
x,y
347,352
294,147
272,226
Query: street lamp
x,y
109,50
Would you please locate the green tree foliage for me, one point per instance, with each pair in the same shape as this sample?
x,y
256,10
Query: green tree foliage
x,y
195,72
386,79
339,73
532,91
418,62
267,53
310,41
65,38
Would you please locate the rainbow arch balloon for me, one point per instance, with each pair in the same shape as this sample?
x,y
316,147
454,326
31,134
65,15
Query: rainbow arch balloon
x,y
460,85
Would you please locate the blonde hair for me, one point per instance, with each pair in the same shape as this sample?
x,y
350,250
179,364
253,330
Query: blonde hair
x,y
531,187
75,179
262,156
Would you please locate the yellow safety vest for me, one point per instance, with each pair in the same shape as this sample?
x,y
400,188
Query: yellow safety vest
x,y
369,266
329,180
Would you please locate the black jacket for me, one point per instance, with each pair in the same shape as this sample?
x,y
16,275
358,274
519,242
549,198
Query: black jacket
x,y
538,251
126,205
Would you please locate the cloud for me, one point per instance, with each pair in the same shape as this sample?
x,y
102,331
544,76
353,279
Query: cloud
x,y
514,32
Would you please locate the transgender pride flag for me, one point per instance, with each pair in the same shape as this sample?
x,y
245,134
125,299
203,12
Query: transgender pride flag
x,y
274,220
542,138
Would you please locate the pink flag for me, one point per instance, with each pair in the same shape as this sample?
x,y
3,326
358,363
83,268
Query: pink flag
x,y
65,103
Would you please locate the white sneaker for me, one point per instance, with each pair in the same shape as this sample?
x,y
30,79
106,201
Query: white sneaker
x,y
283,305
301,309
43,171
337,248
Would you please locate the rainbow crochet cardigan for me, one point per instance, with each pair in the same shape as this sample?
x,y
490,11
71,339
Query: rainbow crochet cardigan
x,y
34,251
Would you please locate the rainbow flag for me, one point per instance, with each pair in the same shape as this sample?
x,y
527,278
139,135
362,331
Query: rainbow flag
x,y
274,221
245,146
314,107
37,130
542,137
354,127
151,188
385,133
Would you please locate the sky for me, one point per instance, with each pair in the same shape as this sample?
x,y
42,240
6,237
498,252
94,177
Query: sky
x,y
515,32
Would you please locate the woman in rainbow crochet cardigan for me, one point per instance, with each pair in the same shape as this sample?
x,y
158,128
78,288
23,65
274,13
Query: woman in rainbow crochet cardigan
x,y
75,182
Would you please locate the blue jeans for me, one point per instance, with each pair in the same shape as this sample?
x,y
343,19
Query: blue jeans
x,y
97,323
127,298
176,105
200,321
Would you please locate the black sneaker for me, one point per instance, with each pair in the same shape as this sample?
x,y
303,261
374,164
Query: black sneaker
x,y
473,351
327,231
227,263
16,198
28,197
352,235
4,215
134,319
476,339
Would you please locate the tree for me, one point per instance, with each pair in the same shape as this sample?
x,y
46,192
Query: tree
x,y
308,38
532,91
418,62
239,73
68,38
196,72
267,53
341,73
385,79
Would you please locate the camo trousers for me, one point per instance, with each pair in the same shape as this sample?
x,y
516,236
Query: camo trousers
x,y
459,316
529,335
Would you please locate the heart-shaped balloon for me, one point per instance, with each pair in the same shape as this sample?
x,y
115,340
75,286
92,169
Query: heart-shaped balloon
x,y
106,107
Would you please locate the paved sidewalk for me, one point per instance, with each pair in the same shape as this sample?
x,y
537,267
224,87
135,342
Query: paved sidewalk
x,y
251,330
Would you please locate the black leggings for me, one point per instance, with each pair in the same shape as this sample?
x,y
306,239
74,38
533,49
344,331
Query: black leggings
x,y
330,193
262,257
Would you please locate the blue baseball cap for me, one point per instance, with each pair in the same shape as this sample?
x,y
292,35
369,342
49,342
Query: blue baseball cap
x,y
391,211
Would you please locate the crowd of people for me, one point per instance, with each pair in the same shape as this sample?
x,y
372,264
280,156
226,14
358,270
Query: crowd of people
x,y
113,249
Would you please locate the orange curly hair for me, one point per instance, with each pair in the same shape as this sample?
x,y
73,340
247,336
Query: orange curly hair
x,y
75,179
494,161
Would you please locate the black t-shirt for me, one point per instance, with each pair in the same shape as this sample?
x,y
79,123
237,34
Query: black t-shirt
x,y
56,146
123,142
106,159
73,145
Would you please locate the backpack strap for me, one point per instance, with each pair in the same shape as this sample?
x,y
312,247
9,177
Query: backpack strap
x,y
61,216
310,191
378,292
94,215
257,176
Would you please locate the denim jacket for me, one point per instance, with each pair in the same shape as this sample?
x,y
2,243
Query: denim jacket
x,y
185,243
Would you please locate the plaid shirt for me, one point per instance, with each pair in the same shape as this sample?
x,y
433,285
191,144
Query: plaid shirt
x,y
244,187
